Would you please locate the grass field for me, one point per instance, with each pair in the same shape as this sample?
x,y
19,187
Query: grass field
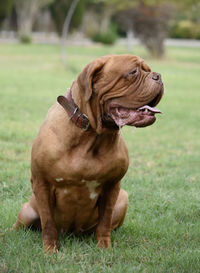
x,y
161,232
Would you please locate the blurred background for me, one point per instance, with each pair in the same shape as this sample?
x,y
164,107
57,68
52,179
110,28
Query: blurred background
x,y
161,230
149,22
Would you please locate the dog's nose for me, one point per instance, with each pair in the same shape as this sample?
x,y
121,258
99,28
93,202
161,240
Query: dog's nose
x,y
157,77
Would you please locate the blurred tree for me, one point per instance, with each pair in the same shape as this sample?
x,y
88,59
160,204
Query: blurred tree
x,y
59,10
26,11
98,24
149,24
97,18
148,19
5,9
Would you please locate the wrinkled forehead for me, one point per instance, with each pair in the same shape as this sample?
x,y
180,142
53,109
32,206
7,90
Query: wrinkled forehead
x,y
125,63
145,66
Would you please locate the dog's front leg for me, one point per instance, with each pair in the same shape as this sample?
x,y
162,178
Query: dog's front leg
x,y
106,206
44,199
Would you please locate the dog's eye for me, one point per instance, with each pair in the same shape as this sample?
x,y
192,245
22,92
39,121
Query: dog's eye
x,y
133,72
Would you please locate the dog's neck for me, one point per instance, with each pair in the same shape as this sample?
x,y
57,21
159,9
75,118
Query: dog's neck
x,y
83,114
74,138
90,140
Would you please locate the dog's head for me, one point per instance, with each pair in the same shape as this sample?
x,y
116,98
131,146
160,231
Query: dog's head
x,y
121,88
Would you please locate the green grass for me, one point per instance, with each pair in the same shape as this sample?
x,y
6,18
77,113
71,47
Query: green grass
x,y
161,232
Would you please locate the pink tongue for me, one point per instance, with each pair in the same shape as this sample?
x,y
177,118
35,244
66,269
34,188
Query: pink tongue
x,y
151,109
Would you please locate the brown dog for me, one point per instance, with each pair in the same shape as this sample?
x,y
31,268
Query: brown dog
x,y
79,157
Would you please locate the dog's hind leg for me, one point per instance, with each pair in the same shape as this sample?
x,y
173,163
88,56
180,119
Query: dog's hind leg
x,y
27,215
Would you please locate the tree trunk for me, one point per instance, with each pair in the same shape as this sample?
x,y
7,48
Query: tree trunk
x,y
26,11
105,20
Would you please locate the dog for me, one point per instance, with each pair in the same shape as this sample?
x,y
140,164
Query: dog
x,y
79,157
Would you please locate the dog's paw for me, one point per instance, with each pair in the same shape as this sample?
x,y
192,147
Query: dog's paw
x,y
50,248
104,242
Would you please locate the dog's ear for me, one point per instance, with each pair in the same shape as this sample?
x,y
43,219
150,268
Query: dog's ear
x,y
86,77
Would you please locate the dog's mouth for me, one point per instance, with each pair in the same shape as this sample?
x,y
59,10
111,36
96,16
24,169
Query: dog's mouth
x,y
140,117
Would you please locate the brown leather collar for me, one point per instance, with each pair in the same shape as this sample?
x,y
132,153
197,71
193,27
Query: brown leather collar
x,y
80,119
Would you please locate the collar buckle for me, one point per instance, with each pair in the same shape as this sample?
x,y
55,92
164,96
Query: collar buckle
x,y
87,124
75,115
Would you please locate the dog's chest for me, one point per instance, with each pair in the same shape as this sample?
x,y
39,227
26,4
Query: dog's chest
x,y
78,180
77,190
89,172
